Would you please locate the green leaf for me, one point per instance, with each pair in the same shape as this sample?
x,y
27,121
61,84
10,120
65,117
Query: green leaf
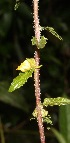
x,y
20,80
52,31
64,122
56,101
42,42
13,99
34,41
44,113
59,136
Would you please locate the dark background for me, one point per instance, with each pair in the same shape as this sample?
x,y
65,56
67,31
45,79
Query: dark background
x,y
16,31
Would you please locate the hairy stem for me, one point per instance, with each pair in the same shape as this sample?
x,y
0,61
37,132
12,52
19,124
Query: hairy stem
x,y
36,73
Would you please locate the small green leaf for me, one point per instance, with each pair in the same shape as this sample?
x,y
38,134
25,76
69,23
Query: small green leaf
x,y
20,80
34,41
56,101
47,119
42,42
44,113
52,31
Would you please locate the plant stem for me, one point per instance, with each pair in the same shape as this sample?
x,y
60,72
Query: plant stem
x,y
36,73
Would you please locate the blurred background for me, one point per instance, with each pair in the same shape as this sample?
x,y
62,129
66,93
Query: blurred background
x,y
16,31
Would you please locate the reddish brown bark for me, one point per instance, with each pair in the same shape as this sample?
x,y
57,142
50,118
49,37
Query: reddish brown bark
x,y
36,73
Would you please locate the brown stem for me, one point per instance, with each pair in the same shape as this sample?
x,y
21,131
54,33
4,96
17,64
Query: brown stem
x,y
36,74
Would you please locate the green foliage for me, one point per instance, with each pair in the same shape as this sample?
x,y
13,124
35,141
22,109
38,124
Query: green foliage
x,y
56,101
50,102
34,41
15,32
52,31
20,80
41,44
32,63
43,40
45,116
28,64
27,67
